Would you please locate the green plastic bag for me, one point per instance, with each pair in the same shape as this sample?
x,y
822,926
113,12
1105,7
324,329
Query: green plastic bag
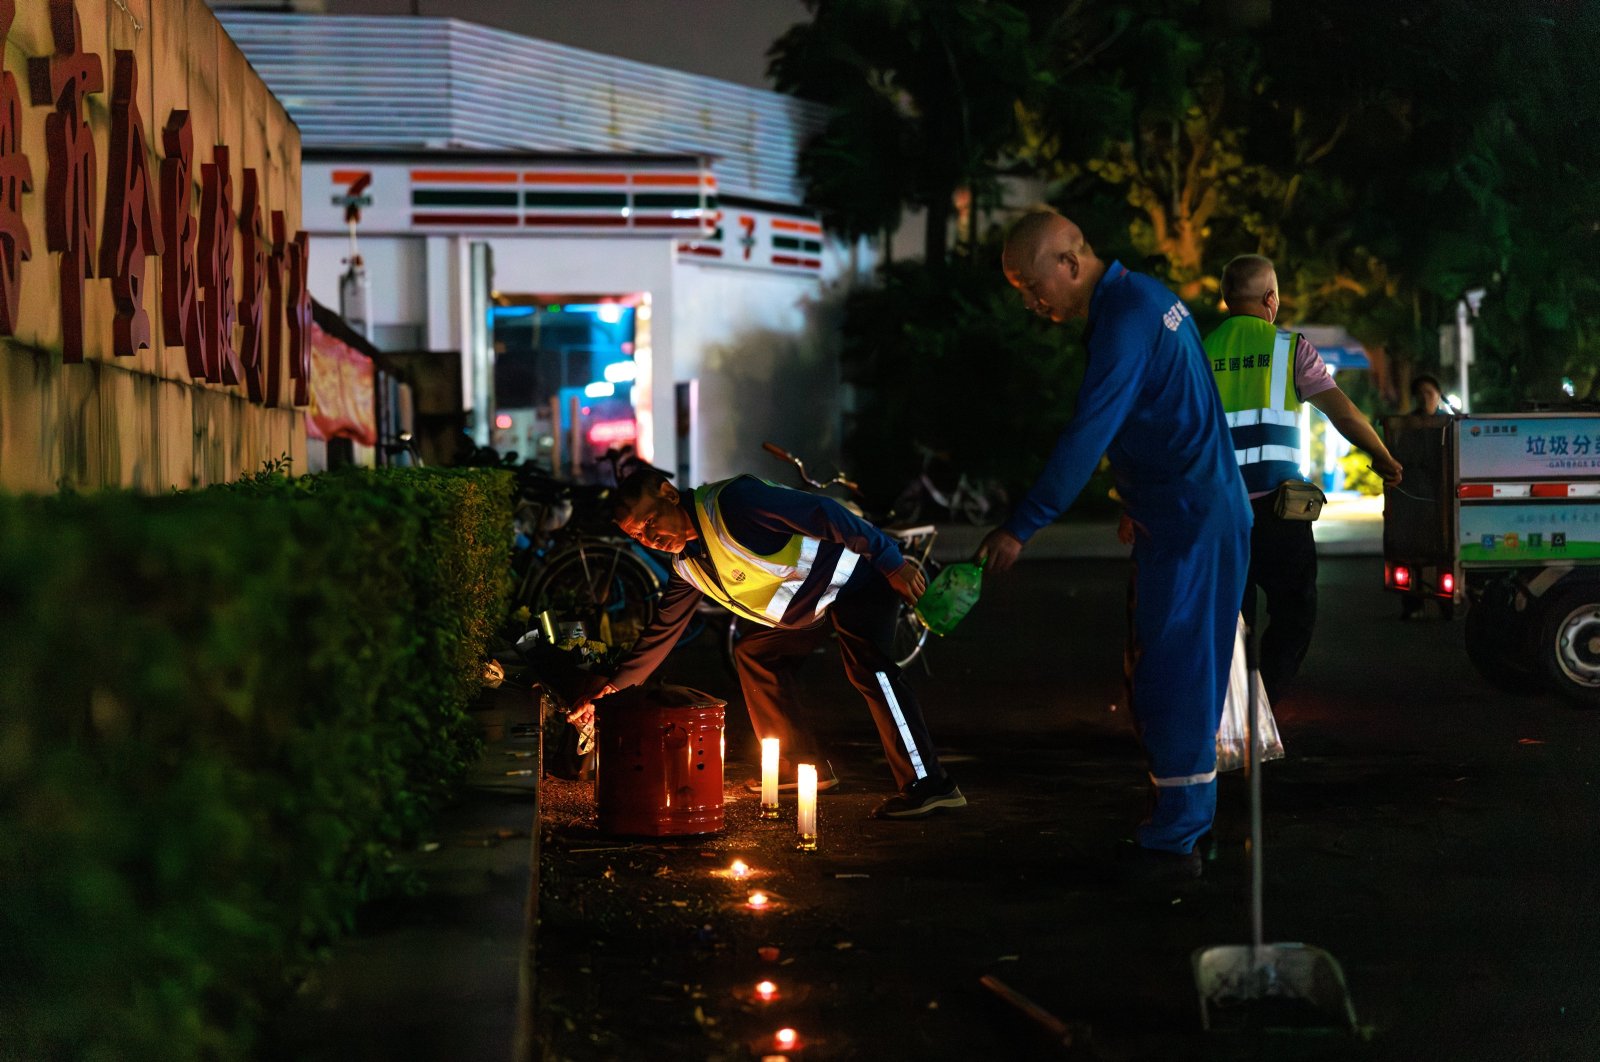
x,y
951,596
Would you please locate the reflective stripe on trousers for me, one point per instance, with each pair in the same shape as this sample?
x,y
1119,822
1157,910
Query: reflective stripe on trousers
x,y
900,722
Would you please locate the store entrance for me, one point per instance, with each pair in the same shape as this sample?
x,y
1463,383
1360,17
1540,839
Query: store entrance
x,y
565,369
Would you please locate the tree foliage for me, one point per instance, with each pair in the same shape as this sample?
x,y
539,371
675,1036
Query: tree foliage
x,y
924,95
1389,157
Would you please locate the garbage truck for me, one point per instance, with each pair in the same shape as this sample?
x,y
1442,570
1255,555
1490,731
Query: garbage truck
x,y
1501,512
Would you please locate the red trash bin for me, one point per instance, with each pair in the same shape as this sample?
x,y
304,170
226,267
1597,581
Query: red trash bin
x,y
660,769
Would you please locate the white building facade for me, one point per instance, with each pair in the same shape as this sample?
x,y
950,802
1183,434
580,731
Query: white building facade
x,y
617,251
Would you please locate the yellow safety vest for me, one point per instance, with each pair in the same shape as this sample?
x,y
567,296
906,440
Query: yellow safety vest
x,y
1253,364
756,587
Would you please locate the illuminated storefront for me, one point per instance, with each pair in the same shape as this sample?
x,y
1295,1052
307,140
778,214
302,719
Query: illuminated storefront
x,y
615,252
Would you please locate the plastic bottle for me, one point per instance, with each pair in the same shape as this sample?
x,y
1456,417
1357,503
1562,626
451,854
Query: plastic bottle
x,y
951,596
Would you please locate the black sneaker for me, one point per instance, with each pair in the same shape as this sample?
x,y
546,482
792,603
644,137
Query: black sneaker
x,y
1141,866
921,798
826,780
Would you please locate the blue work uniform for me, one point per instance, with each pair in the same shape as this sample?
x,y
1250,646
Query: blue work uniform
x,y
1148,402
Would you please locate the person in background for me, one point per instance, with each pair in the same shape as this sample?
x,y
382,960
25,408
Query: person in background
x,y
1427,408
1149,404
1426,398
800,565
1263,374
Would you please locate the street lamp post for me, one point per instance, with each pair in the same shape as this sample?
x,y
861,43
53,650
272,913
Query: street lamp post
x,y
1463,352
1457,344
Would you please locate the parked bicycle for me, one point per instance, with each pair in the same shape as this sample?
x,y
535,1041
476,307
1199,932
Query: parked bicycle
x,y
938,486
572,560
916,545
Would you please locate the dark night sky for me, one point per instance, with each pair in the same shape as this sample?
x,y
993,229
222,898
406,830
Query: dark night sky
x,y
721,38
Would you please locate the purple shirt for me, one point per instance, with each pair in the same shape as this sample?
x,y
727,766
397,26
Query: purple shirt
x,y
1311,377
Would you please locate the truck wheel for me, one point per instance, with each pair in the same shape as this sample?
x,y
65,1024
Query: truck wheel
x,y
1496,636
1569,644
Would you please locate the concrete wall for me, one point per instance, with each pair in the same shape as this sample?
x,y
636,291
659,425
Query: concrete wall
x,y
139,421
763,347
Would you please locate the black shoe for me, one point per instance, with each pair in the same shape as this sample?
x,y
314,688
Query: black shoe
x,y
826,780
1139,866
921,798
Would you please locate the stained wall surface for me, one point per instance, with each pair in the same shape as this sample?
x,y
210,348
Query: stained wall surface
x,y
143,421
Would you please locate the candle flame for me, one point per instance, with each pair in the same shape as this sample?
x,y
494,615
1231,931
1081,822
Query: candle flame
x,y
786,1037
758,899
739,869
766,990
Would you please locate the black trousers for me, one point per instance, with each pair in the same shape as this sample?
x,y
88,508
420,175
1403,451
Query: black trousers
x,y
1283,563
865,621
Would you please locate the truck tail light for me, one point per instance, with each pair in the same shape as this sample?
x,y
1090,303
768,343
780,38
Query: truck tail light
x,y
1400,577
1447,584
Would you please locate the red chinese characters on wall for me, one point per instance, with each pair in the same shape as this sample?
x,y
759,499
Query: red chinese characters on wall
x,y
180,294
129,232
252,290
277,319
62,81
298,311
16,179
150,214
217,313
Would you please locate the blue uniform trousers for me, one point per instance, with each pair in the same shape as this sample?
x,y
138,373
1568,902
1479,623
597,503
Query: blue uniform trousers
x,y
1185,608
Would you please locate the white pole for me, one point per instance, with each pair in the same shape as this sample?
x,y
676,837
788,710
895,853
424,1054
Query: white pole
x,y
1463,352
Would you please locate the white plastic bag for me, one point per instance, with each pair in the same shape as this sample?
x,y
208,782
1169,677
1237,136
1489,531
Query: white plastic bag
x,y
1236,718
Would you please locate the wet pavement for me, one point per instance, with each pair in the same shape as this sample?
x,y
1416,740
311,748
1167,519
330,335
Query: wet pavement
x,y
1437,837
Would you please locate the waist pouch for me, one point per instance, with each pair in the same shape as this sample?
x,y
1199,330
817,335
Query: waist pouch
x,y
1296,499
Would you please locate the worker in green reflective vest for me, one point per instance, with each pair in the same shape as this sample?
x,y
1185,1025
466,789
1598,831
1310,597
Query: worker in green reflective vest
x,y
1263,374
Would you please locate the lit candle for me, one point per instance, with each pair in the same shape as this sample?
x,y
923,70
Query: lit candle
x,y
758,899
786,1038
766,991
769,778
806,776
739,869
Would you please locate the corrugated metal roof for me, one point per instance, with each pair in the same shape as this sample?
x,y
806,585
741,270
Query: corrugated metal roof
x,y
435,83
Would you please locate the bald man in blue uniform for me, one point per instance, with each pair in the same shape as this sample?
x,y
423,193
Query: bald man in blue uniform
x,y
1149,403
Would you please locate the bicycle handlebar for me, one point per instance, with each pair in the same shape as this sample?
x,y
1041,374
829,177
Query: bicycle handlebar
x,y
800,466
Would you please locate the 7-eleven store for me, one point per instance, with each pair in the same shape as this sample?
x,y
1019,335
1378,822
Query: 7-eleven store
x,y
572,249
595,301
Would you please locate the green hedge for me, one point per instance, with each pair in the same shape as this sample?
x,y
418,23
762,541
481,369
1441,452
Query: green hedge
x,y
219,714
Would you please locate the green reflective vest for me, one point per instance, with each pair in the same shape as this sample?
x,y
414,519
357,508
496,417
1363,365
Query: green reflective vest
x,y
1253,364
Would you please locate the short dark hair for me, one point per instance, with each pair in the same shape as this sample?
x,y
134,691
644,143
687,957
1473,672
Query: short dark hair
x,y
638,483
1424,378
1240,275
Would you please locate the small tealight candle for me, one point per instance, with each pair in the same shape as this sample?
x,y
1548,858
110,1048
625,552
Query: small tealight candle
x,y
769,778
766,991
806,776
739,869
758,899
786,1038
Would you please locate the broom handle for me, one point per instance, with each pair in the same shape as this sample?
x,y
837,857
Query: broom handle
x,y
1252,761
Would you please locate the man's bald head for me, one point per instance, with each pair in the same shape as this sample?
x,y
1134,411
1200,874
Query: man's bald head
x,y
1250,286
1047,259
1037,232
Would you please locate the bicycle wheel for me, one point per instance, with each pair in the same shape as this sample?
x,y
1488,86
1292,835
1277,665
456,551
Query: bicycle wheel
x,y
602,586
974,509
910,633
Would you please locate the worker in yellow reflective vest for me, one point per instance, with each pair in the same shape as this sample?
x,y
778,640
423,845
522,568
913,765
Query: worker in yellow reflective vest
x,y
800,565
1263,374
